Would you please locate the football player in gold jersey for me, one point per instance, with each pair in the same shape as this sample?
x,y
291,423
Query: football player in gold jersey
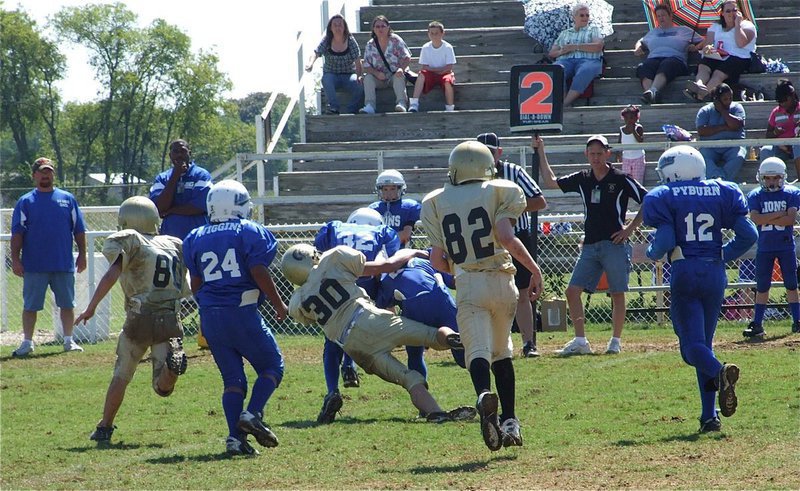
x,y
153,276
330,297
470,224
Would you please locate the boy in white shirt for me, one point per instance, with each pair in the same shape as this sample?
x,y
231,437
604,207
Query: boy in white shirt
x,y
436,61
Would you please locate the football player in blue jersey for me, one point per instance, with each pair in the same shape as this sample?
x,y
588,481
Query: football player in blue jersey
x,y
689,212
228,261
365,232
399,213
773,208
422,294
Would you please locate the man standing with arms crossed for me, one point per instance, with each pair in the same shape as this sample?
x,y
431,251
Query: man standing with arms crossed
x,y
534,201
605,192
470,225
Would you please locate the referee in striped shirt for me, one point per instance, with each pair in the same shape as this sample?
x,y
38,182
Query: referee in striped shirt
x,y
522,229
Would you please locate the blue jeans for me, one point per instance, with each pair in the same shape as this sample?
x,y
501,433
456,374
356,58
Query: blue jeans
x,y
777,151
349,81
581,70
723,162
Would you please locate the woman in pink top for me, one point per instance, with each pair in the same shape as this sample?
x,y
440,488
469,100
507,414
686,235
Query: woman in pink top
x,y
784,122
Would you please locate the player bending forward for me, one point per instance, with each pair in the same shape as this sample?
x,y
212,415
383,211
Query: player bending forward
x,y
329,296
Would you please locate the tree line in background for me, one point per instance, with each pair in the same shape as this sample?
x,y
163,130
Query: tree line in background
x,y
153,90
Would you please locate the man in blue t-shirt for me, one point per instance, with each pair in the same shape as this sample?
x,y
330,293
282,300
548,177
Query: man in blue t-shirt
x,y
364,232
399,213
689,213
180,193
773,208
228,261
722,119
43,225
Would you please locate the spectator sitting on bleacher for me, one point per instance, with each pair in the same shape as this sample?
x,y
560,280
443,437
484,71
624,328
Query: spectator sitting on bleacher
x,y
726,52
722,119
784,122
667,47
436,61
342,65
386,58
579,50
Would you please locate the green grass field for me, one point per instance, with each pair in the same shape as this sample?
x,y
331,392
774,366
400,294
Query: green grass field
x,y
626,421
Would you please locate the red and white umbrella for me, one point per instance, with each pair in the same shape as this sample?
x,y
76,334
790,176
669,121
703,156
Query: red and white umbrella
x,y
697,14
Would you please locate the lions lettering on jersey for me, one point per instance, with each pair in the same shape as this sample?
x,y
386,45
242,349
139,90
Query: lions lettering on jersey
x,y
774,238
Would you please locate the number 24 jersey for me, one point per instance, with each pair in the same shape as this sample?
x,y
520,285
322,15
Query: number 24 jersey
x,y
460,219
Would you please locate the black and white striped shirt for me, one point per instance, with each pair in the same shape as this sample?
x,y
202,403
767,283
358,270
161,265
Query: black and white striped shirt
x,y
517,174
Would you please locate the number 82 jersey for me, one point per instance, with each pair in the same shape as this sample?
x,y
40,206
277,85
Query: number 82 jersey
x,y
461,220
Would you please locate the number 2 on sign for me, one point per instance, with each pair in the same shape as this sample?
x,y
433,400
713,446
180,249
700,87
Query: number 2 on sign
x,y
534,104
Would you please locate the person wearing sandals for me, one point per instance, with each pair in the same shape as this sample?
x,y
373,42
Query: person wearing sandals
x,y
726,52
386,58
342,65
667,47
722,119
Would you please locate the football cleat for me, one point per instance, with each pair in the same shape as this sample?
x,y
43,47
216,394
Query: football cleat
x,y
512,437
490,425
234,446
176,357
350,377
330,406
529,350
453,341
711,424
462,413
728,376
754,332
102,434
252,424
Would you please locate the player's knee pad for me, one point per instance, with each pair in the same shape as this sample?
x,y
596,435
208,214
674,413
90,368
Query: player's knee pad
x,y
275,375
693,352
237,384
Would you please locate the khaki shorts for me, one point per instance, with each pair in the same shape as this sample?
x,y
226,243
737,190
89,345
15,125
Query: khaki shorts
x,y
376,333
142,331
486,304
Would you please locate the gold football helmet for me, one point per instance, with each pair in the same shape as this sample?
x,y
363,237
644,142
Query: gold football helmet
x,y
470,161
298,261
140,214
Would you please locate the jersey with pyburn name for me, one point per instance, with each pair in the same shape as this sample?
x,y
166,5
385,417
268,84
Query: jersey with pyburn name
x,y
222,254
774,238
153,269
698,211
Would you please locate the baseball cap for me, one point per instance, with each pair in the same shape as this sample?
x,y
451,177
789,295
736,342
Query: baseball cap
x,y
43,163
598,138
490,140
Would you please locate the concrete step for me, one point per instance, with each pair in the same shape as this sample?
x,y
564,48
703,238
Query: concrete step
x,y
452,15
468,41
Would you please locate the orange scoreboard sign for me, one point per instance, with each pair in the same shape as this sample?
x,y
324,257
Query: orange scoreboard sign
x,y
537,95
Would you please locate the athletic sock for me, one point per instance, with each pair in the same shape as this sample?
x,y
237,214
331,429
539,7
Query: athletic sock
x,y
758,317
232,404
581,339
262,391
479,373
67,339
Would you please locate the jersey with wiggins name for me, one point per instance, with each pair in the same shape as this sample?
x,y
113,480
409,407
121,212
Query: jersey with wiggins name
x,y
153,270
330,296
460,220
222,254
774,238
399,213
698,211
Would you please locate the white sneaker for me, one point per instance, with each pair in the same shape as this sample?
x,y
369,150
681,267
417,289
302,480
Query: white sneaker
x,y
400,107
367,109
413,108
511,433
72,346
450,108
613,347
573,347
24,350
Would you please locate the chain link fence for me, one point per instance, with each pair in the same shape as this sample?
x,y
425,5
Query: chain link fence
x,y
559,239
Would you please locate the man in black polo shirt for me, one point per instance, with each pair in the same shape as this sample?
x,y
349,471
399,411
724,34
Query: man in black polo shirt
x,y
605,192
522,229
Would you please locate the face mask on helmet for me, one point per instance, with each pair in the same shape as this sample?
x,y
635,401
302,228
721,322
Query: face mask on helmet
x,y
470,161
390,185
366,216
140,214
298,261
228,200
772,174
681,163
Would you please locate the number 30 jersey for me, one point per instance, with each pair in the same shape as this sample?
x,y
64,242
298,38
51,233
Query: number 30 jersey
x,y
153,270
460,219
330,296
221,254
698,211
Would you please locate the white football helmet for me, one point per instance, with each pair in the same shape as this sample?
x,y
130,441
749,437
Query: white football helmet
x,y
298,261
771,166
470,161
388,178
227,200
681,163
366,216
139,213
